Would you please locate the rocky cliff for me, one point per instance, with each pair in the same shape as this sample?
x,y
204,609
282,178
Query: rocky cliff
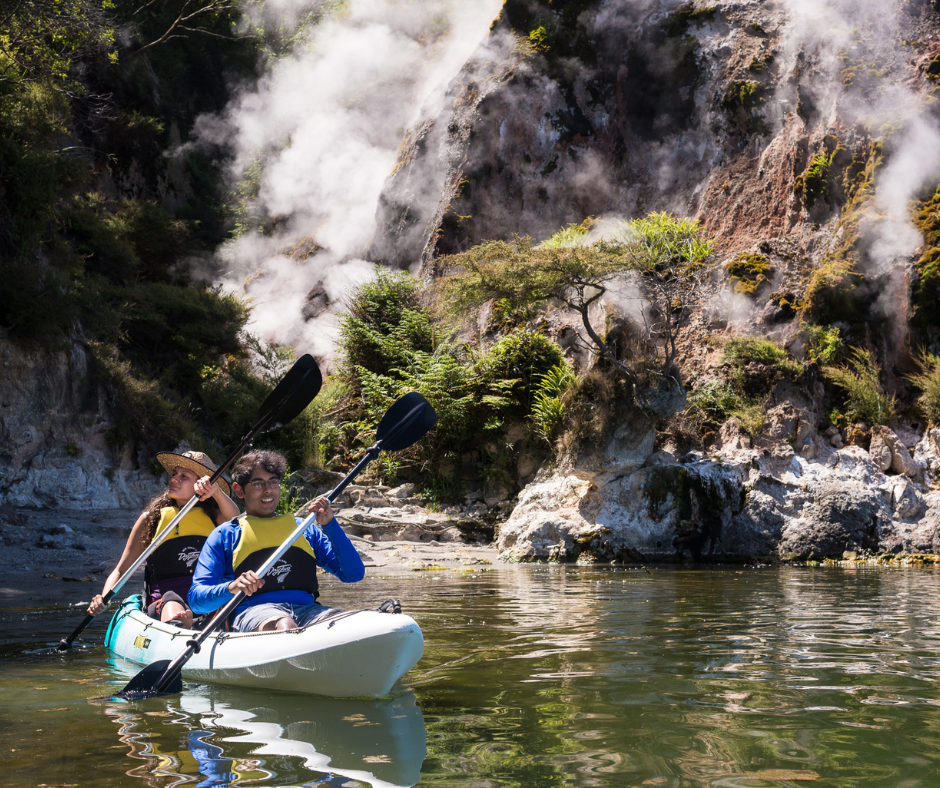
x,y
55,430
799,134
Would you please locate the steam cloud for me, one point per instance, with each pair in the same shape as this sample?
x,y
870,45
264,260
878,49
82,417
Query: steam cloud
x,y
835,33
326,121
325,124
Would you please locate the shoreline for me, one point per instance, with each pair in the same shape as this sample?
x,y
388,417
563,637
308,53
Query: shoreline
x,y
50,550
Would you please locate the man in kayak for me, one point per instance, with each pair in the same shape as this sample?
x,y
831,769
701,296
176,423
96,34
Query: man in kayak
x,y
286,598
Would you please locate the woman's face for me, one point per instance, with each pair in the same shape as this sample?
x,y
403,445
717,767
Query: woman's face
x,y
181,484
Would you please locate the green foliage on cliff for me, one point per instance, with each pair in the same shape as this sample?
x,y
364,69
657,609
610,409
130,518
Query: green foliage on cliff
x,y
572,235
233,393
860,380
927,379
825,344
386,323
548,409
391,344
80,115
741,351
927,292
832,292
667,253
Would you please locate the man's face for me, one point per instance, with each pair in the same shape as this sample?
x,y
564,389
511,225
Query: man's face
x,y
262,492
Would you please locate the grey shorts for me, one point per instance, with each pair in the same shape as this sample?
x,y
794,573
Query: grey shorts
x,y
249,620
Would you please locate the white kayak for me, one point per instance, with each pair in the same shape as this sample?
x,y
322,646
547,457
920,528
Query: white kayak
x,y
353,654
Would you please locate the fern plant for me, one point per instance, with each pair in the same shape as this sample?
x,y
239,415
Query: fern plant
x,y
548,410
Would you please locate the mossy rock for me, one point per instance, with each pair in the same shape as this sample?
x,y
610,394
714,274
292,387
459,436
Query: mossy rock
x,y
789,303
833,291
932,67
749,272
745,93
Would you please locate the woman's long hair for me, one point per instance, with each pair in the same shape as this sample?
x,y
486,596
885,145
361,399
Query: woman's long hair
x,y
209,506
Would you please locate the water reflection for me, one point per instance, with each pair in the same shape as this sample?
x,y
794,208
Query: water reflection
x,y
688,677
540,676
227,736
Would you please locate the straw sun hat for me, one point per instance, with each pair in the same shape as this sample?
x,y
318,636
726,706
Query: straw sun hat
x,y
195,461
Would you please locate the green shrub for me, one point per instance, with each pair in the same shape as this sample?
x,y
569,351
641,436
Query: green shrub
x,y
663,241
825,344
391,344
713,403
127,240
750,415
740,351
928,381
523,358
147,410
233,393
860,381
571,235
385,325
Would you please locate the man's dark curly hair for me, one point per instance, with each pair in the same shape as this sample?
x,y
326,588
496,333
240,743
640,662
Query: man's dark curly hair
x,y
271,461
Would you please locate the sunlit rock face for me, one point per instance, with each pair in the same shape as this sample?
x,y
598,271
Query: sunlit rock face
x,y
54,446
764,121
592,108
741,505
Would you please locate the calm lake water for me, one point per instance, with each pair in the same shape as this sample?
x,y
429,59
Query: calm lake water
x,y
532,676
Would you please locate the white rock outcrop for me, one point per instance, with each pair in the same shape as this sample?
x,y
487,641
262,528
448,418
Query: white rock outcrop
x,y
741,503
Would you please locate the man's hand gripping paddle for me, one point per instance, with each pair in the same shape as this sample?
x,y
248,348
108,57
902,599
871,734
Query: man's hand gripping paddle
x,y
288,399
404,424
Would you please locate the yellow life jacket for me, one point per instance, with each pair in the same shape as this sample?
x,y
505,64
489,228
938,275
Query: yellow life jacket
x,y
260,537
176,555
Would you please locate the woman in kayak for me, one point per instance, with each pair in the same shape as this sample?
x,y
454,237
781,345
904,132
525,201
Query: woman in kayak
x,y
169,569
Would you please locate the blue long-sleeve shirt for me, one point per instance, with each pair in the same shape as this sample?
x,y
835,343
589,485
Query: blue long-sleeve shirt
x,y
214,569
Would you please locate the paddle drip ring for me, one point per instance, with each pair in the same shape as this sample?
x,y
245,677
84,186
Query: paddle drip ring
x,y
196,647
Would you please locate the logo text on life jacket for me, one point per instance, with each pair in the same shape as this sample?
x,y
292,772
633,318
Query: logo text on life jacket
x,y
281,570
141,642
188,556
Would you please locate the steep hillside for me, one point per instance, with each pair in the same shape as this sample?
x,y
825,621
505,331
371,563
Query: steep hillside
x,y
799,131
806,139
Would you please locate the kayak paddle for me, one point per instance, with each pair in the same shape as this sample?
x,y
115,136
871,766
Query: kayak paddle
x,y
288,399
404,424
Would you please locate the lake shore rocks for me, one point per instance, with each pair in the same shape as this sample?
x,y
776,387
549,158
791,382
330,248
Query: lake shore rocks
x,y
739,504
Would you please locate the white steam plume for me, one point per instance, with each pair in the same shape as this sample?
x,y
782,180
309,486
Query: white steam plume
x,y
326,122
836,34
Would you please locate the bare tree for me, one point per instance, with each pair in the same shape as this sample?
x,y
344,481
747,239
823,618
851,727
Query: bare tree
x,y
193,17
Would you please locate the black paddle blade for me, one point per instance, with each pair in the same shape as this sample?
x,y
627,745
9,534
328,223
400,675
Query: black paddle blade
x,y
289,397
406,422
144,684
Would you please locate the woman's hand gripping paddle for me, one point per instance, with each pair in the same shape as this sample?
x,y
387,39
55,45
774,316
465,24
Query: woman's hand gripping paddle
x,y
404,424
288,399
